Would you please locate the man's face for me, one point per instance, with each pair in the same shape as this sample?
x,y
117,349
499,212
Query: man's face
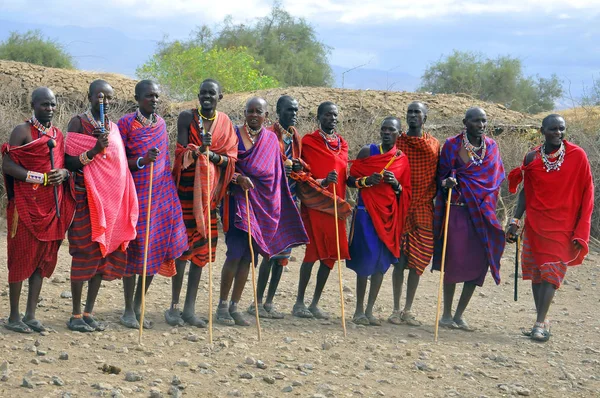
x,y
148,99
109,95
415,116
328,119
288,113
554,131
476,123
209,96
44,106
389,132
256,114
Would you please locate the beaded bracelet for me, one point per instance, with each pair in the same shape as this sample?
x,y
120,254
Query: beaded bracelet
x,y
84,159
364,184
515,221
137,163
33,177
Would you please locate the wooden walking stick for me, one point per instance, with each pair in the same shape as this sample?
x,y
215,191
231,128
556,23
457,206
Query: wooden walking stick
x,y
146,253
439,300
339,258
518,242
253,266
210,286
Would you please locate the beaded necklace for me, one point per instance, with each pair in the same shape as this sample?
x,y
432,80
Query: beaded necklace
x,y
330,139
472,150
210,119
553,161
252,134
144,120
41,128
94,122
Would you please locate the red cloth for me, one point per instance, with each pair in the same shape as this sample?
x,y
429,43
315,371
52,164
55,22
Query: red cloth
x,y
387,210
320,226
35,231
111,194
558,206
224,142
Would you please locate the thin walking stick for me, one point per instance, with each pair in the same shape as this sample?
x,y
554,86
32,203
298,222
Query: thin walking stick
x,y
439,301
518,242
253,266
339,258
210,286
146,252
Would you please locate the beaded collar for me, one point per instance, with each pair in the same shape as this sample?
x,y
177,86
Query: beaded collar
x,y
94,122
252,134
43,130
330,139
144,120
553,161
472,150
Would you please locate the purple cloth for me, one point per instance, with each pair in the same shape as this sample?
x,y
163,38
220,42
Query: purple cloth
x,y
479,187
276,223
465,261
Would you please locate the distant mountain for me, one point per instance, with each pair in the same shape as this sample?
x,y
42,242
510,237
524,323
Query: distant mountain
x,y
374,79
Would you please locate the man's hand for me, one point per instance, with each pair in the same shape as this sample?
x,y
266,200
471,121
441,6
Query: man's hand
x,y
245,183
101,142
512,233
296,165
577,245
449,182
374,179
206,141
390,178
332,177
150,156
57,176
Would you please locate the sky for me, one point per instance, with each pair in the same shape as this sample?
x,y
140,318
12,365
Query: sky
x,y
390,41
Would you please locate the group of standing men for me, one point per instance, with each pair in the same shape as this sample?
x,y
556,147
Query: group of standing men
x,y
95,184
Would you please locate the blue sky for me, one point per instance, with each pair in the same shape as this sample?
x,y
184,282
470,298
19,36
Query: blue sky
x,y
395,39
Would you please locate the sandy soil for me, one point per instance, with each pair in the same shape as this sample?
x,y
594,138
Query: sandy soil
x,y
309,358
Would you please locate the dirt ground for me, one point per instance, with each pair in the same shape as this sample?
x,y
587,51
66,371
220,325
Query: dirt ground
x,y
309,358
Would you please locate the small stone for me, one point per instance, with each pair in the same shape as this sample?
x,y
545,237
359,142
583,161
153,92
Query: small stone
x,y
422,366
57,381
41,353
297,383
522,391
246,375
155,393
287,340
141,361
260,364
194,338
35,361
48,360
327,346
380,393
287,389
175,392
102,386
175,381
183,362
203,365
66,294
414,335
133,377
269,379
234,393
26,383
250,361
224,344
63,356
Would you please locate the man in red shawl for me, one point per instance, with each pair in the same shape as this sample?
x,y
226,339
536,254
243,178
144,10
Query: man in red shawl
x,y
423,152
106,213
205,139
275,223
146,140
326,154
381,174
291,147
35,228
558,198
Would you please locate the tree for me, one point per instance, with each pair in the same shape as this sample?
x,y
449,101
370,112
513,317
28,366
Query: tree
x,y
498,80
32,47
180,67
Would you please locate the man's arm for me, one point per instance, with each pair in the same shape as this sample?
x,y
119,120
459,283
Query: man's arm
x,y
73,163
21,135
363,153
515,223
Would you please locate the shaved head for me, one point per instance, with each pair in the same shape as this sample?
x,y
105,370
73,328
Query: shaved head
x,y
212,81
142,85
97,85
41,93
474,112
257,101
394,120
550,118
420,105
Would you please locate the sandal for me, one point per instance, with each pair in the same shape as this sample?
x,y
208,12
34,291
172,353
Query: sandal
x,y
148,324
409,318
194,321
19,327
273,313
395,318
79,325
463,325
361,320
448,324
318,313
541,332
224,318
129,322
239,319
373,320
173,317
262,312
301,311
94,324
35,325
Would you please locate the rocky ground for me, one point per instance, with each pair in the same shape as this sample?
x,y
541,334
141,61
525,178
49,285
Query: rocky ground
x,y
309,358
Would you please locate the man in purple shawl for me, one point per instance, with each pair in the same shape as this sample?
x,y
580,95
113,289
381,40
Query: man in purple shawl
x,y
146,140
470,164
275,222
